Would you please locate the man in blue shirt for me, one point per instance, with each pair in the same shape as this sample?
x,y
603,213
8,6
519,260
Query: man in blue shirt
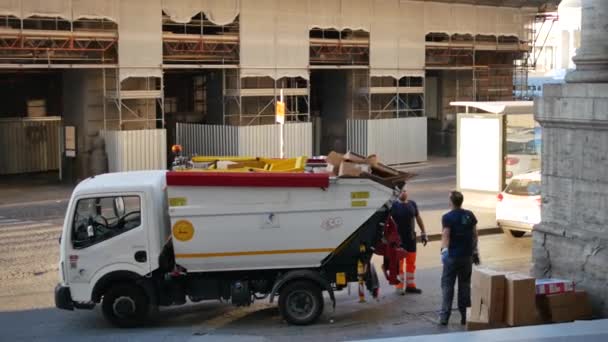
x,y
458,251
405,213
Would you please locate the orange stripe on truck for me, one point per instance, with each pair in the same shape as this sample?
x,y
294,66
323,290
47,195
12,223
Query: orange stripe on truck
x,y
273,252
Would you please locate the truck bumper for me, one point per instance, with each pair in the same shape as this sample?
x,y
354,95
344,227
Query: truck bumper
x,y
63,298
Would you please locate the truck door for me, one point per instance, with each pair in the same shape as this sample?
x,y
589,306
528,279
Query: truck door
x,y
107,231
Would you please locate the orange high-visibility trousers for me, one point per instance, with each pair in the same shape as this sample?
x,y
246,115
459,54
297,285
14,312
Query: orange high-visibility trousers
x,y
407,269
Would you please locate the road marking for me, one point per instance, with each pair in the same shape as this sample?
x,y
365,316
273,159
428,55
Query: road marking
x,y
209,326
29,232
16,223
29,227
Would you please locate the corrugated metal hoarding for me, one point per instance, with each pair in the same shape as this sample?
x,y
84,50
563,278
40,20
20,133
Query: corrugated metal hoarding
x,y
259,140
144,149
29,144
208,140
356,136
265,140
395,141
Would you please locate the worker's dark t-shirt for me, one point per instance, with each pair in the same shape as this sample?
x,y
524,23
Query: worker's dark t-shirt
x,y
404,215
461,223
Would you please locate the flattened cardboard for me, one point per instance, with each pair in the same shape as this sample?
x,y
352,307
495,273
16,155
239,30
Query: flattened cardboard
x,y
335,159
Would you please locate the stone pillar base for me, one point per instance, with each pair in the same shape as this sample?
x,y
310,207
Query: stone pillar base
x,y
587,76
572,239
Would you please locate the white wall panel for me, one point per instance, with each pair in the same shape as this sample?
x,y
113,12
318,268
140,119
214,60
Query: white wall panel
x,y
96,9
264,140
136,150
47,8
221,12
356,136
182,11
140,52
252,141
10,7
29,144
397,141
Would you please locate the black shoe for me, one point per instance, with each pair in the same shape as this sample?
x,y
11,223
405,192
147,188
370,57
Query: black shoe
x,y
443,321
413,290
463,320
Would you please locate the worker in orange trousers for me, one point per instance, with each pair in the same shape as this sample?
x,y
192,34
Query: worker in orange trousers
x,y
406,215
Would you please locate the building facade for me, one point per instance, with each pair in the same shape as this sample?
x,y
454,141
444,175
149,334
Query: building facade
x,y
375,76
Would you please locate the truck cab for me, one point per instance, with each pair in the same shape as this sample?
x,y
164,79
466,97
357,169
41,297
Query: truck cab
x,y
115,229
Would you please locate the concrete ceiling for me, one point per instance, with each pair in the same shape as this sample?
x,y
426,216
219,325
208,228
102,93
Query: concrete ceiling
x,y
505,3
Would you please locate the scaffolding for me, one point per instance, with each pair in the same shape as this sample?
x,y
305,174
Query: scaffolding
x,y
493,63
252,100
200,41
136,102
42,40
332,47
386,97
537,38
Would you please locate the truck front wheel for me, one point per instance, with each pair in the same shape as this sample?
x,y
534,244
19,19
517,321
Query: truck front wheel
x,y
125,305
301,302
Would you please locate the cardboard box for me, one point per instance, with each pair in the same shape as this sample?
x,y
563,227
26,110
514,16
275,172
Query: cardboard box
x,y
551,286
487,295
36,108
373,160
565,307
520,300
355,158
348,169
335,159
473,325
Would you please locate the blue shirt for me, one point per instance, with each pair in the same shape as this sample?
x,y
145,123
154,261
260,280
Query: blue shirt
x,y
404,215
461,223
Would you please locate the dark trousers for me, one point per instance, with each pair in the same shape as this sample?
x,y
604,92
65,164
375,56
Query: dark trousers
x,y
456,268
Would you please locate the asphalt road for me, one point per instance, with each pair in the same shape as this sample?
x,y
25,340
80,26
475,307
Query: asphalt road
x,y
28,274
29,253
434,180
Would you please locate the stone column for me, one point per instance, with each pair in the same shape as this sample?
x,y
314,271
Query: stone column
x,y
572,239
592,58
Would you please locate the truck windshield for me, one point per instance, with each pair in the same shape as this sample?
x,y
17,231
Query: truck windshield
x,y
101,218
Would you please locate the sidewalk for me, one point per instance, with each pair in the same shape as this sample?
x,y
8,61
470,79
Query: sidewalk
x,y
27,188
33,196
588,331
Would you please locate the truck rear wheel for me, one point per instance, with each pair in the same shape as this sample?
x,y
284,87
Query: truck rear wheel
x,y
301,302
125,305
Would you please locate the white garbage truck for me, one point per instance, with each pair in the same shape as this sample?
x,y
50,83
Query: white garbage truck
x,y
135,241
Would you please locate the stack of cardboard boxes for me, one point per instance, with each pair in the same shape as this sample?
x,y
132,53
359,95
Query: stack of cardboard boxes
x,y
558,301
500,299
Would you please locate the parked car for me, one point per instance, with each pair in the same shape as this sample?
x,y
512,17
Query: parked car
x,y
523,155
518,207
